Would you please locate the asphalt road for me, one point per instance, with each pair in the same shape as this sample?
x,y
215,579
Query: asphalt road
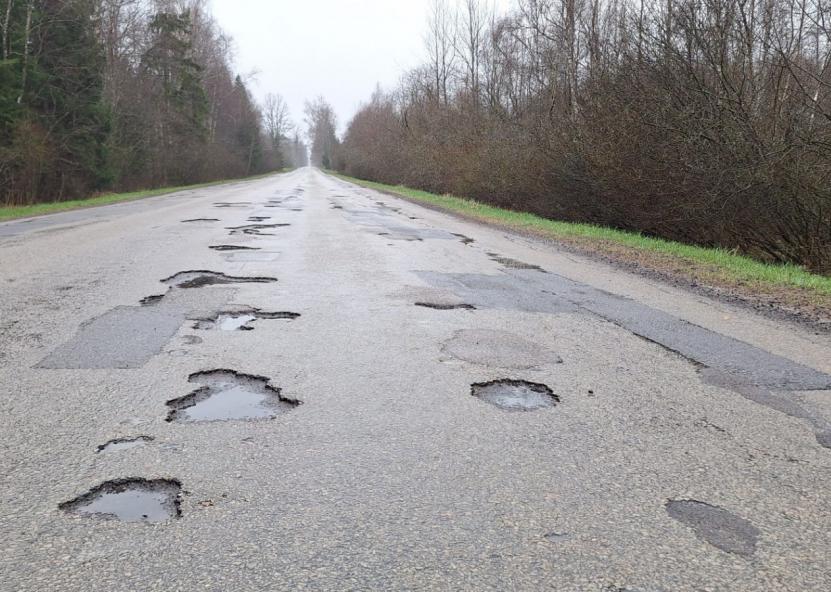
x,y
683,445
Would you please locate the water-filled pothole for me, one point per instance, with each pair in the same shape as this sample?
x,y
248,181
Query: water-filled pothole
x,y
440,306
239,320
200,278
120,444
515,395
129,500
233,248
228,395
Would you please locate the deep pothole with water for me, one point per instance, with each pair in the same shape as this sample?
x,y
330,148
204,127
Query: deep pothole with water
x,y
227,395
129,500
515,395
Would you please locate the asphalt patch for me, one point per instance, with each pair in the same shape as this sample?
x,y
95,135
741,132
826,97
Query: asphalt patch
x,y
227,395
120,444
550,293
129,500
501,349
515,395
716,526
202,278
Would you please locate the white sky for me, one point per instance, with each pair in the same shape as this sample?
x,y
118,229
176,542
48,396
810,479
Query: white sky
x,y
336,48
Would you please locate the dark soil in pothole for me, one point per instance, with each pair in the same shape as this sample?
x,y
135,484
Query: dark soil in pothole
x,y
233,248
239,320
129,500
438,306
515,395
120,444
226,395
202,278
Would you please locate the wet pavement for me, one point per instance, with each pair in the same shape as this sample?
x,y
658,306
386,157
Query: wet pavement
x,y
479,410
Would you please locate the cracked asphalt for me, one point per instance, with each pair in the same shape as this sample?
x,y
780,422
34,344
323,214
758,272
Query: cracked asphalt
x,y
688,449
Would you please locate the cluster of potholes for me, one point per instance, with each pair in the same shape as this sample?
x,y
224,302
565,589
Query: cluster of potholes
x,y
221,395
228,395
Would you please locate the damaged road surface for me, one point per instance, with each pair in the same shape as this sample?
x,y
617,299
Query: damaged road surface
x,y
297,383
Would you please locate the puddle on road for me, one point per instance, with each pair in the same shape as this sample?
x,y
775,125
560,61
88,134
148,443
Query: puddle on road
x,y
201,220
226,395
239,320
129,500
439,306
716,526
120,444
513,263
233,248
515,395
202,278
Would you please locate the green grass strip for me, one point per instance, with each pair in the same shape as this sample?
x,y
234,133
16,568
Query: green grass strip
x,y
39,209
722,262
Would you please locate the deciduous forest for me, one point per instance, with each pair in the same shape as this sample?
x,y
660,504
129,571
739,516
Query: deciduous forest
x,y
704,121
103,95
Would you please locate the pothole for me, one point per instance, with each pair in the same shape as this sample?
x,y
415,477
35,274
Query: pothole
x,y
233,248
716,526
239,320
201,220
129,500
120,444
515,395
227,395
258,218
439,306
201,278
513,263
466,240
151,300
232,204
255,229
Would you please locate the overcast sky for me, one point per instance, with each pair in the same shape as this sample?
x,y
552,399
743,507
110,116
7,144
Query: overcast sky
x,y
336,48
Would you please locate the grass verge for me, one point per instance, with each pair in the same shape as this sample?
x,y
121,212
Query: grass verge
x,y
40,209
720,270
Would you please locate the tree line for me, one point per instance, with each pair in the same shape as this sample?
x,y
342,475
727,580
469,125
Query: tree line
x,y
101,95
704,121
